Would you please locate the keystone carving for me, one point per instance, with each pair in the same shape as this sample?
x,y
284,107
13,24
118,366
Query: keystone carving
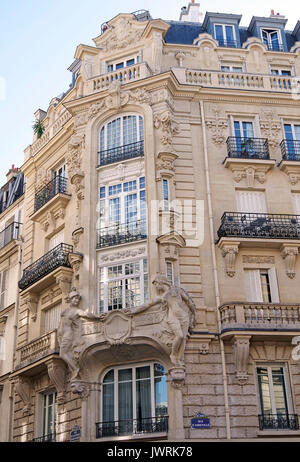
x,y
81,388
249,174
75,260
289,255
177,377
241,355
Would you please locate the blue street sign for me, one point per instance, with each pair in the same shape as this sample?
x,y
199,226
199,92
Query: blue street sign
x,y
200,422
75,433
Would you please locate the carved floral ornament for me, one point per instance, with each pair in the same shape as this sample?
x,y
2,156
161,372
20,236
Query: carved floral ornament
x,y
217,124
121,35
250,174
167,126
270,126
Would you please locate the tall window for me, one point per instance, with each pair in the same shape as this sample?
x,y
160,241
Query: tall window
x,y
126,132
121,64
274,392
225,34
261,286
123,203
49,411
166,194
3,287
272,39
123,285
251,202
134,393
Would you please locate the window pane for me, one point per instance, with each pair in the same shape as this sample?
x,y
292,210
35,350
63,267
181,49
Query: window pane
x,y
264,391
143,372
219,32
131,208
129,130
229,33
108,403
143,398
125,397
279,391
114,134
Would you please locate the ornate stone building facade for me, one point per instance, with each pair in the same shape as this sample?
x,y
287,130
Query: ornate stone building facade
x,y
160,238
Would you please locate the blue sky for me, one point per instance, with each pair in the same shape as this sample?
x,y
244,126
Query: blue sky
x,y
37,44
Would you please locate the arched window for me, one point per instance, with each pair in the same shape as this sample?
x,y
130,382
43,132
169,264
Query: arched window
x,y
134,400
121,139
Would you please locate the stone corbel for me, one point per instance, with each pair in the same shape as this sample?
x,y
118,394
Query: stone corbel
x,y
177,377
23,386
289,254
64,282
76,236
165,165
241,348
57,372
229,253
31,301
75,260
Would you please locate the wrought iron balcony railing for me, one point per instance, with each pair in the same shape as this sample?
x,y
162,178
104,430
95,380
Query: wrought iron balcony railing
x,y
46,264
259,225
132,427
129,151
228,43
278,422
122,233
10,233
51,438
56,186
248,148
290,150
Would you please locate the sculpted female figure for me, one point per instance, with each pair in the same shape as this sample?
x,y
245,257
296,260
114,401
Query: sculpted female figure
x,y
180,313
69,332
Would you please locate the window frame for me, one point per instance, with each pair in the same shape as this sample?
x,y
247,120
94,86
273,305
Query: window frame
x,y
271,29
133,381
103,284
224,25
123,61
287,385
140,134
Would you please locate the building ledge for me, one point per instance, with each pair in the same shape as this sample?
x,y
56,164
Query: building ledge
x,y
142,437
51,210
257,242
278,433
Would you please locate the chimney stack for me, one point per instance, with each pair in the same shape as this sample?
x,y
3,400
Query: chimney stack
x,y
191,13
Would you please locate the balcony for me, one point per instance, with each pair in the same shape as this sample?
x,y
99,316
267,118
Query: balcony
x,y
259,225
37,349
278,422
57,186
133,427
237,316
227,43
124,75
52,260
122,234
51,438
9,234
247,148
290,150
238,80
120,153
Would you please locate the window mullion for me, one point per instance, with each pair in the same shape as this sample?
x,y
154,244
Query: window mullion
x,y
116,395
134,392
152,386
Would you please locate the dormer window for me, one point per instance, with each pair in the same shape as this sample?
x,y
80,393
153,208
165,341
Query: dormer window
x,y
272,38
225,35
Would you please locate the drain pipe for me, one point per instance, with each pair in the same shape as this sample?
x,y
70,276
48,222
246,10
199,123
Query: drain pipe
x,y
215,272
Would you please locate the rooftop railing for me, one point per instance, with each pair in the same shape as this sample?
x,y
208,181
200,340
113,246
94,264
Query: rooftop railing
x,y
248,148
46,264
259,225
